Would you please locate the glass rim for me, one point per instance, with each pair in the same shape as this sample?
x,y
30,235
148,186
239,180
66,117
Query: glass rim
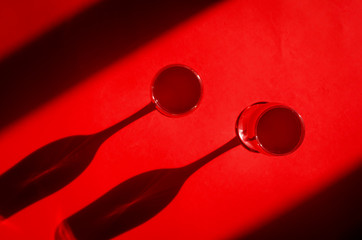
x,y
300,120
159,107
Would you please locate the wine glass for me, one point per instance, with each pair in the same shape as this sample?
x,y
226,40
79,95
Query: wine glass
x,y
175,91
270,128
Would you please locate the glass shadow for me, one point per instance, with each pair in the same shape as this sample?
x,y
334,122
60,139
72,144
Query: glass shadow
x,y
132,202
53,166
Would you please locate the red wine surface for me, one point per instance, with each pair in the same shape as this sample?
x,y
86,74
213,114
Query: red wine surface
x,y
279,130
177,90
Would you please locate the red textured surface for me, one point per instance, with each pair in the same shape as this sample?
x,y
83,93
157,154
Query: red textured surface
x,y
305,54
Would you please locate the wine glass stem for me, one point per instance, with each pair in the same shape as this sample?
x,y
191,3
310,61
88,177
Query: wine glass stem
x,y
105,134
193,167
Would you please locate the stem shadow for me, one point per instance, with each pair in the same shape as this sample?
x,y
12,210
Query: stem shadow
x,y
132,202
53,166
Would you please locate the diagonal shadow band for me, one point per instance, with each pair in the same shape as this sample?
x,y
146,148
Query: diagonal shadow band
x,y
82,46
53,166
333,213
132,202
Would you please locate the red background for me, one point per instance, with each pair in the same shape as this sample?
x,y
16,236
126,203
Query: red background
x,y
306,54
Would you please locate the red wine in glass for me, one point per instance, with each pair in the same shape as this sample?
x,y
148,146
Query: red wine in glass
x,y
176,90
270,128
